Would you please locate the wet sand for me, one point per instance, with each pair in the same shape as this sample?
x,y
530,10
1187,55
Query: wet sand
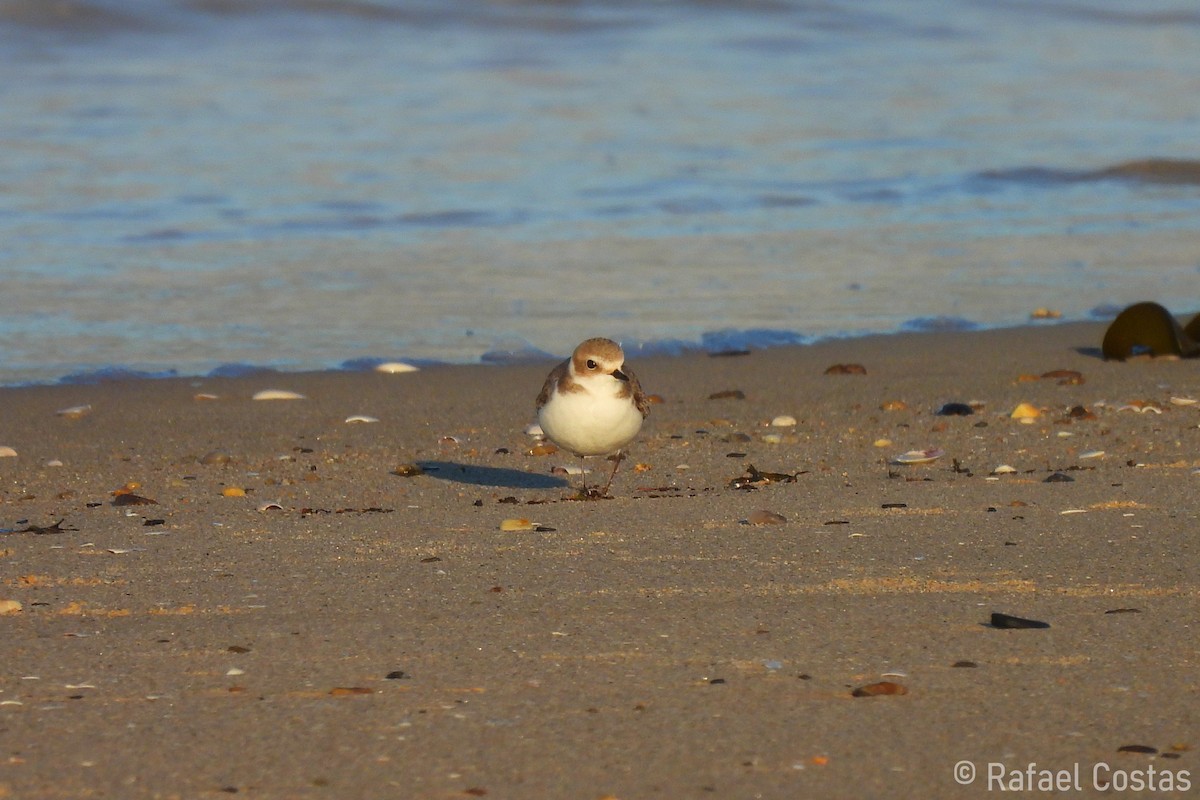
x,y
378,635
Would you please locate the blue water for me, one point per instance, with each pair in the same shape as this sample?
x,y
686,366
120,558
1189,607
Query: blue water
x,y
307,183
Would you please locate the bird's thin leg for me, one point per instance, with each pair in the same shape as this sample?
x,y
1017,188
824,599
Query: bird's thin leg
x,y
583,490
617,459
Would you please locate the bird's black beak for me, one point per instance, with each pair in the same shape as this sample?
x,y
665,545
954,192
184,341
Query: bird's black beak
x,y
621,376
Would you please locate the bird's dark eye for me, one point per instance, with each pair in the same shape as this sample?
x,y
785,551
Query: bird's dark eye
x,y
591,364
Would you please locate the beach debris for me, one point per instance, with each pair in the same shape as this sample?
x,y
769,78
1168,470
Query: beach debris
x,y
1142,406
964,664
880,689
542,449
1079,412
655,399
10,606
395,368
408,470
764,517
74,412
202,397
398,674
1123,611
954,410
1145,749
54,462
894,405
755,479
39,530
1025,412
920,456
270,506
1065,377
1045,313
882,442
7,452
783,421
728,394
361,418
278,394
772,438
1000,620
1004,469
1184,401
846,369
216,457
448,441
1092,454
125,496
1059,477
233,491
567,469
522,524
534,429
1148,329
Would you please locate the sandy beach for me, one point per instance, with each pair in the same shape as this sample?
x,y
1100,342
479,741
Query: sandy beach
x,y
289,617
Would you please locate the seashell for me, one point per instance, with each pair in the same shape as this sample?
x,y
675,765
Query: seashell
x,y
543,449
772,438
235,671
566,469
54,462
10,606
1092,454
1141,406
882,443
203,396
215,457
880,689
361,418
1184,401
783,421
1004,469
408,470
271,506
517,524
920,456
764,517
395,368
534,429
278,394
1025,411
7,452
894,405
74,412
233,491
449,441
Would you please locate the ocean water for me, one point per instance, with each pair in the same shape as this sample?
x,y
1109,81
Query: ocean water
x,y
200,185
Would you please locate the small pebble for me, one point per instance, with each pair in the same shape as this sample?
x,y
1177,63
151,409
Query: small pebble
x,y
277,394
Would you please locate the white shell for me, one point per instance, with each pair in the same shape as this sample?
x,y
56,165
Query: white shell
x,y
278,394
7,452
1092,454
534,429
920,456
361,418
74,412
1184,401
395,368
783,421
271,506
1004,469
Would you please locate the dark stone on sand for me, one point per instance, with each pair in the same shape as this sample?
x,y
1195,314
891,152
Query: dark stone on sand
x,y
1008,621
954,410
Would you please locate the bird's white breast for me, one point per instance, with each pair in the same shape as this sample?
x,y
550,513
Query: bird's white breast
x,y
593,422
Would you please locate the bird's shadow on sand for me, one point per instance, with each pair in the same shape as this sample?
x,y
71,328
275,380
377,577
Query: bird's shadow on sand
x,y
476,475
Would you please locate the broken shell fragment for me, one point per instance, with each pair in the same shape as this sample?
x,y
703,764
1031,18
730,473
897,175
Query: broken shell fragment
x,y
395,368
543,449
1004,469
920,456
783,421
517,524
534,429
1025,411
74,412
278,394
408,470
10,606
764,517
7,452
233,491
361,418
270,506
846,369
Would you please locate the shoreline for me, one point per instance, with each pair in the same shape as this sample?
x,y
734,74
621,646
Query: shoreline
x,y
368,633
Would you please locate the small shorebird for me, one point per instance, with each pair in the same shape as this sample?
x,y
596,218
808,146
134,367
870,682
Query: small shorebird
x,y
590,406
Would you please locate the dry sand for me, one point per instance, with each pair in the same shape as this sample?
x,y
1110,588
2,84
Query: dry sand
x,y
379,636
